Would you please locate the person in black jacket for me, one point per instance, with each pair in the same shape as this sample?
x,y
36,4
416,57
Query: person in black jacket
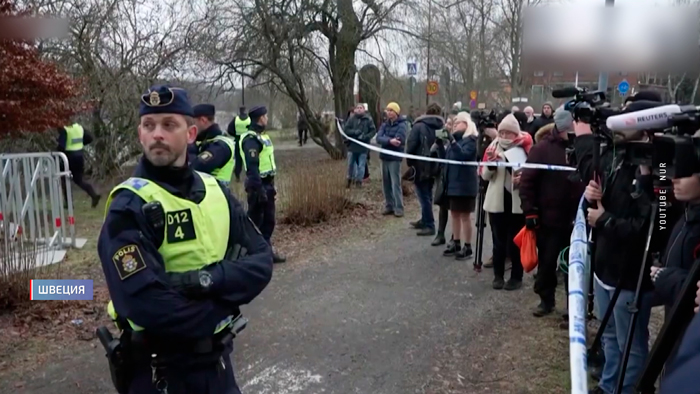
x,y
545,118
438,151
461,185
682,249
359,126
621,224
420,139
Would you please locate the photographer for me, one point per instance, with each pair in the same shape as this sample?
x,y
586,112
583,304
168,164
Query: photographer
x,y
620,218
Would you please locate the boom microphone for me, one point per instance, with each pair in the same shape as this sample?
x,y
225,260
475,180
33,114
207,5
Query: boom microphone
x,y
570,91
648,119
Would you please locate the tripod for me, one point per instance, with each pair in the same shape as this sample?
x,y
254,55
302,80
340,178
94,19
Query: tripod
x,y
672,332
594,353
480,214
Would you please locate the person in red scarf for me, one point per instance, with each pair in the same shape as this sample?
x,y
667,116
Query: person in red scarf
x,y
502,201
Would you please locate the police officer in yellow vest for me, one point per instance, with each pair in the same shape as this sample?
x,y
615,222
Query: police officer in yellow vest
x,y
180,256
71,141
215,151
259,163
238,127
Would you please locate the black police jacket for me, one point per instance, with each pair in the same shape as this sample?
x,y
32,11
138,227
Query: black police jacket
x,y
620,233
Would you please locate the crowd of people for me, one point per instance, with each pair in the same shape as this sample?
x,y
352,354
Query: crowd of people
x,y
617,207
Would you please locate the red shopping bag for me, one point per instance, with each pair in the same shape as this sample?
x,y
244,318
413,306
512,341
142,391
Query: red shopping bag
x,y
527,242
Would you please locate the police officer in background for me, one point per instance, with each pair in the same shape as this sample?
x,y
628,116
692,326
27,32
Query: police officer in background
x,y
260,167
215,151
71,140
238,127
180,256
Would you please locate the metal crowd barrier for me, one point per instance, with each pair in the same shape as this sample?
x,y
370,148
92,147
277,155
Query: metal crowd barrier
x,y
32,206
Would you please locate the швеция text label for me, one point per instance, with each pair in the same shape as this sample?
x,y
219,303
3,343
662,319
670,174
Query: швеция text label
x,y
64,289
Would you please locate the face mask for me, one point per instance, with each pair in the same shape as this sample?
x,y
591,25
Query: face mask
x,y
505,144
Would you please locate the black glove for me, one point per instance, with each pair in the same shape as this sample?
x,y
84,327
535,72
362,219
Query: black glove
x,y
195,284
532,221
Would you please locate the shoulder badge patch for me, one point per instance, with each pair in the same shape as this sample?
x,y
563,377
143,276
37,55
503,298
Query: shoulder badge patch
x,y
128,261
205,156
253,152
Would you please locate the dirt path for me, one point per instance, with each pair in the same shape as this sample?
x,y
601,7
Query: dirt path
x,y
386,314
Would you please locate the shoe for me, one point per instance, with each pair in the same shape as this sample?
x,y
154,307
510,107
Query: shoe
x,y
464,253
513,284
398,214
498,283
278,259
238,178
452,249
596,390
543,309
96,200
426,232
388,212
358,184
489,263
349,184
418,224
439,240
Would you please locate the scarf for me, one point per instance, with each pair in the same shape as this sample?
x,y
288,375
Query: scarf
x,y
496,147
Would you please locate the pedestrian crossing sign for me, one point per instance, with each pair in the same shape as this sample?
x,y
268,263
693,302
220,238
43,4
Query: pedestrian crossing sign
x,y
412,69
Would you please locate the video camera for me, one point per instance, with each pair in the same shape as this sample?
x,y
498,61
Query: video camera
x,y
672,144
485,120
588,107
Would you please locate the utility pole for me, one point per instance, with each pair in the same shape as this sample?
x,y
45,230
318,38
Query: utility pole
x,y
427,68
603,76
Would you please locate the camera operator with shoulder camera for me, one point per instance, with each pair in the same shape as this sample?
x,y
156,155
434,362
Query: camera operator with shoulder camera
x,y
620,215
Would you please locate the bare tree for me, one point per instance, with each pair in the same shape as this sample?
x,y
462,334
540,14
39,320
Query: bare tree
x,y
284,42
120,48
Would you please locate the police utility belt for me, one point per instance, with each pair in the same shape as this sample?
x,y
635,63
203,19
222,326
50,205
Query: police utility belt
x,y
138,348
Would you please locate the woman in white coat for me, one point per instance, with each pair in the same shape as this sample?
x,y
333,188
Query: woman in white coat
x,y
502,200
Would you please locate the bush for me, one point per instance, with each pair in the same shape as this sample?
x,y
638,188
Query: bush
x,y
313,192
18,265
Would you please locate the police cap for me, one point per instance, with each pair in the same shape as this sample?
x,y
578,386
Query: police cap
x,y
204,110
164,99
257,112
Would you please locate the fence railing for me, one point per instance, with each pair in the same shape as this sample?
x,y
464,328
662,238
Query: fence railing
x,y
34,208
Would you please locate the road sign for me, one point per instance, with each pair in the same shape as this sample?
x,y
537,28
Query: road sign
x,y
472,95
623,87
472,104
481,105
412,68
432,88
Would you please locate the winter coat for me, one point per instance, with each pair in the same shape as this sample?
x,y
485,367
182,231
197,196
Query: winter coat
x,y
420,139
459,180
397,129
679,256
361,128
498,178
552,195
621,231
539,123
